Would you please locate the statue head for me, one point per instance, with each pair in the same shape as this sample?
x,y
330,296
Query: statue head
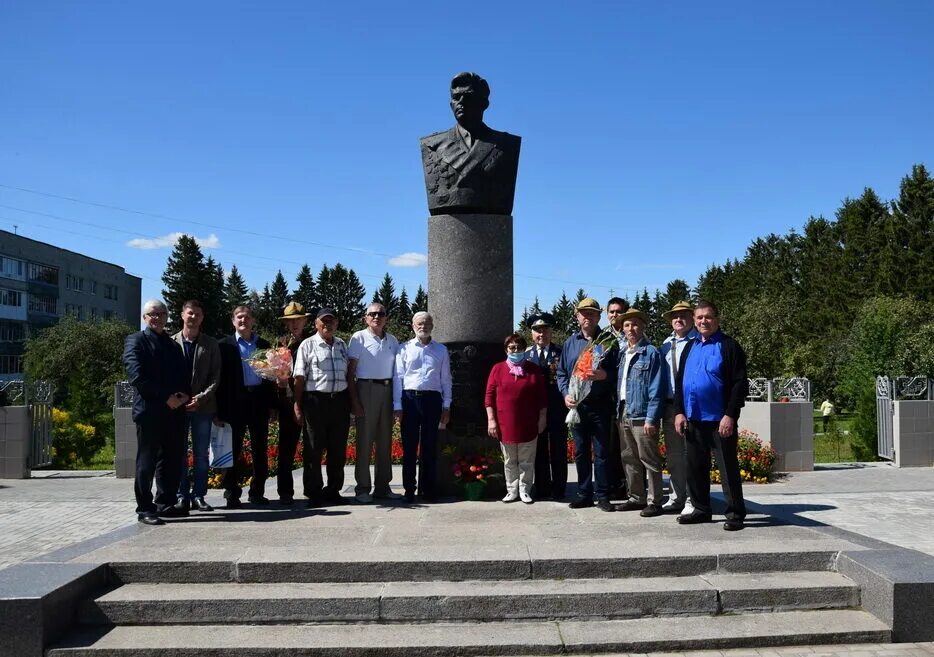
x,y
470,96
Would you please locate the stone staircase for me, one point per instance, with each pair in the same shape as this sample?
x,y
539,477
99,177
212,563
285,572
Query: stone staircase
x,y
470,607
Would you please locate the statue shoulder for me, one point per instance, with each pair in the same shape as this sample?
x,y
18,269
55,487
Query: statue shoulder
x,y
433,141
504,139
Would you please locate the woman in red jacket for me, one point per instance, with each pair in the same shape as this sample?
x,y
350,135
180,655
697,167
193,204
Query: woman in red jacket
x,y
516,406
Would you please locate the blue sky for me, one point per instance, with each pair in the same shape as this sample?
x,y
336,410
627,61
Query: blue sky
x,y
658,138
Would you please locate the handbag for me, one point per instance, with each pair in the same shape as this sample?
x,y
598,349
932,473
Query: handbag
x,y
221,447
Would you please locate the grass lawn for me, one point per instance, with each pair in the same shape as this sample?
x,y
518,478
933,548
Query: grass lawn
x,y
833,446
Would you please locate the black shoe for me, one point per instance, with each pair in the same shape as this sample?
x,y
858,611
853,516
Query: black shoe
x,y
651,511
285,501
606,505
695,518
314,503
557,496
182,504
733,524
630,505
409,497
581,503
151,520
234,503
201,505
173,512
258,500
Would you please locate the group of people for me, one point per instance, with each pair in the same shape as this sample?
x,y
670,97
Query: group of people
x,y
692,388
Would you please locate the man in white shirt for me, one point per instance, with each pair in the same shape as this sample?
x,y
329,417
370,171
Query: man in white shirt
x,y
320,373
681,317
421,400
372,354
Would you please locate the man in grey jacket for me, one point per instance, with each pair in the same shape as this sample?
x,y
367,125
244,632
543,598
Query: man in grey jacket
x,y
203,359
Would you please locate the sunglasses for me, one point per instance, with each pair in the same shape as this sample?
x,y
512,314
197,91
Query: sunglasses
x,y
379,313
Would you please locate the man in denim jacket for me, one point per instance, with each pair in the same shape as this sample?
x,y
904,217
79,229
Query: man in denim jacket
x,y
638,413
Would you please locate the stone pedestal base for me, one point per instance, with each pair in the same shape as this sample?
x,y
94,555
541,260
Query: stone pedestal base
x,y
15,436
470,295
788,427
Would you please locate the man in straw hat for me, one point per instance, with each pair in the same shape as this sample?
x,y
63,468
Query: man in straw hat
x,y
681,317
638,412
710,390
290,429
596,410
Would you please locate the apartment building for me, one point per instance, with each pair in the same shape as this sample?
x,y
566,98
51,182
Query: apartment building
x,y
39,283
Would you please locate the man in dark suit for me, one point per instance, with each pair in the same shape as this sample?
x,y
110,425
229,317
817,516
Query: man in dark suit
x,y
156,367
551,456
471,168
244,400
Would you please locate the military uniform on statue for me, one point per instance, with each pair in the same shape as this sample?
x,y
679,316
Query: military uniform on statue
x,y
551,456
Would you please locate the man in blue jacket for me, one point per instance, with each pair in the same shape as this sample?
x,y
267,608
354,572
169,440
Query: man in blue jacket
x,y
156,367
596,410
710,390
638,413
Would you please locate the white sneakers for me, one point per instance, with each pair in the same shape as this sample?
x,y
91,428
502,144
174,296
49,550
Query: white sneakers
x,y
511,496
688,508
525,497
674,504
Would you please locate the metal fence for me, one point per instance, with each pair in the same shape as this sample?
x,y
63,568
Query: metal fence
x,y
37,396
888,391
793,389
124,395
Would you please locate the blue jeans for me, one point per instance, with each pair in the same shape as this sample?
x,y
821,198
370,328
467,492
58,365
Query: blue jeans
x,y
593,430
421,413
200,425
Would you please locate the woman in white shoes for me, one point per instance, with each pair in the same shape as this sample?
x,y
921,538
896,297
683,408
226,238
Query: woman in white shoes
x,y
516,406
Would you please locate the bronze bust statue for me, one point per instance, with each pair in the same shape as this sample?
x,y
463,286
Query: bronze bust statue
x,y
471,168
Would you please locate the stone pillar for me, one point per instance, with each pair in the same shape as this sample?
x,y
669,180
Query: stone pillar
x,y
470,296
15,438
913,433
124,432
788,427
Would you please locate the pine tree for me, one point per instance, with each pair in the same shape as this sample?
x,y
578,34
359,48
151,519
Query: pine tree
x,y
186,277
215,319
305,292
564,315
340,288
278,293
386,295
265,313
404,310
420,303
235,294
324,294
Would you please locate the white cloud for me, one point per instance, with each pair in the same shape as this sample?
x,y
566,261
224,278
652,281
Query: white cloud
x,y
212,241
410,259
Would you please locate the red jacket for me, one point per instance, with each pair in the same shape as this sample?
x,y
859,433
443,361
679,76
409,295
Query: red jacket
x,y
516,401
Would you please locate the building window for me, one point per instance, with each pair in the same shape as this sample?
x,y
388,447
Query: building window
x,y
12,331
11,298
11,364
43,274
41,303
92,313
11,267
92,287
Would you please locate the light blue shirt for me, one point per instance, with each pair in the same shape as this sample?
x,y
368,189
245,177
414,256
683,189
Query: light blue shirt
x,y
250,378
422,367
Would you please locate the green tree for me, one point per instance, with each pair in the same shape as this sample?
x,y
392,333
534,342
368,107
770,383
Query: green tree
x,y
563,312
340,288
187,276
305,292
235,294
279,293
386,295
215,318
83,359
420,302
404,309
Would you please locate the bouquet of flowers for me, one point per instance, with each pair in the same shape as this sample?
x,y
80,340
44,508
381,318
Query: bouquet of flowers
x,y
271,364
588,361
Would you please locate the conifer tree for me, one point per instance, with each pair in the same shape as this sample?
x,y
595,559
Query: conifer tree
x,y
215,319
186,276
305,292
235,294
386,295
404,310
420,303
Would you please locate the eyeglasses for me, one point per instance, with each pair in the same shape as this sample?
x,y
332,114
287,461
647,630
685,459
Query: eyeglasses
x,y
160,313
379,313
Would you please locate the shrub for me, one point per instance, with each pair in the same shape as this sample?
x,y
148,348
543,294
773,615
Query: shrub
x,y
73,442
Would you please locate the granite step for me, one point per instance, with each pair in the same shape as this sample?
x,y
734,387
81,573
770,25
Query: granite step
x,y
640,635
275,566
477,600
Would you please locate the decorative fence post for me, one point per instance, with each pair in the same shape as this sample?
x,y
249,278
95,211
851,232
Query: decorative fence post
x,y
124,431
786,425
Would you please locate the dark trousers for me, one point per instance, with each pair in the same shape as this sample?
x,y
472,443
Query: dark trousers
x,y
593,432
327,422
700,439
421,413
159,445
551,456
254,415
290,432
